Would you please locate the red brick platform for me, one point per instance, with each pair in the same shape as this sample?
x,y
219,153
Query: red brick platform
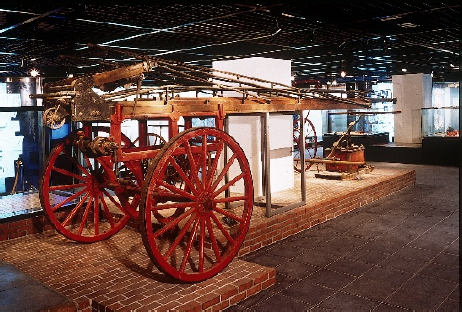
x,y
117,274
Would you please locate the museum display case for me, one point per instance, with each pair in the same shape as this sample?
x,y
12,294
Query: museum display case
x,y
440,126
440,121
21,136
375,127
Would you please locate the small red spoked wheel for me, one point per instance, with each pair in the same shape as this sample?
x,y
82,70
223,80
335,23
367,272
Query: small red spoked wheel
x,y
208,204
311,143
80,195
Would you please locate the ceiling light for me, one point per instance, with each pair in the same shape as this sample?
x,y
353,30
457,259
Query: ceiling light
x,y
408,25
287,15
34,72
404,70
343,73
389,18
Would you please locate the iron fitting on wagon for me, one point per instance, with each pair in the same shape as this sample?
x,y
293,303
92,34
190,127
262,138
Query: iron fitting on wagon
x,y
99,146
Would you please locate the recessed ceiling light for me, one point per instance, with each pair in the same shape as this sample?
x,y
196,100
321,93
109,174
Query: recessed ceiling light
x,y
389,18
408,25
34,72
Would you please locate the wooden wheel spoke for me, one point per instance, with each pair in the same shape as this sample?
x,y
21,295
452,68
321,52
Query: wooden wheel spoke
x,y
68,173
228,214
96,214
106,211
224,171
192,162
180,236
172,224
189,246
77,164
229,184
176,190
111,198
201,245
214,240
182,174
85,215
165,196
75,209
231,199
173,205
213,169
204,160
222,229
66,186
69,199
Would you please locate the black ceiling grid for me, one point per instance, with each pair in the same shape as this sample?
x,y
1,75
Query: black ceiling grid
x,y
372,40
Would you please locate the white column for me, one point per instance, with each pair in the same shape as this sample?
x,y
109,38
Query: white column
x,y
412,92
246,130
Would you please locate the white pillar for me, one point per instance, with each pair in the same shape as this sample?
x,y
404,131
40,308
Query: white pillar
x,y
412,92
246,130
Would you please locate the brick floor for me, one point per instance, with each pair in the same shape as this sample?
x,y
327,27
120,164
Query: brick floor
x,y
117,274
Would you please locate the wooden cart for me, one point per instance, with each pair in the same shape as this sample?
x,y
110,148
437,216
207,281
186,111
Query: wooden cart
x,y
193,195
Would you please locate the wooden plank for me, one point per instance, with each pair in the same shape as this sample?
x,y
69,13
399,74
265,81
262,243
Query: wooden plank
x,y
193,106
119,73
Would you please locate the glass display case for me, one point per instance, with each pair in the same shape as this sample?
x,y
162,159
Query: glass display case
x,y
442,118
378,122
440,121
440,126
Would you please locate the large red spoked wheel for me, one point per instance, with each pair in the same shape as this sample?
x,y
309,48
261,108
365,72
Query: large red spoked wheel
x,y
311,143
80,195
208,203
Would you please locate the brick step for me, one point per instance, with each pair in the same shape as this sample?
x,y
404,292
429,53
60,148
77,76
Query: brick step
x,y
118,274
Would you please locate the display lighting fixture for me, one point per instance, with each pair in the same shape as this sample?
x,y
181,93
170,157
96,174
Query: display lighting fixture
x,y
34,72
404,70
343,73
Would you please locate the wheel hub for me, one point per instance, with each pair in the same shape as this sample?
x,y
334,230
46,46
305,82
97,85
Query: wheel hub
x,y
205,202
98,180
